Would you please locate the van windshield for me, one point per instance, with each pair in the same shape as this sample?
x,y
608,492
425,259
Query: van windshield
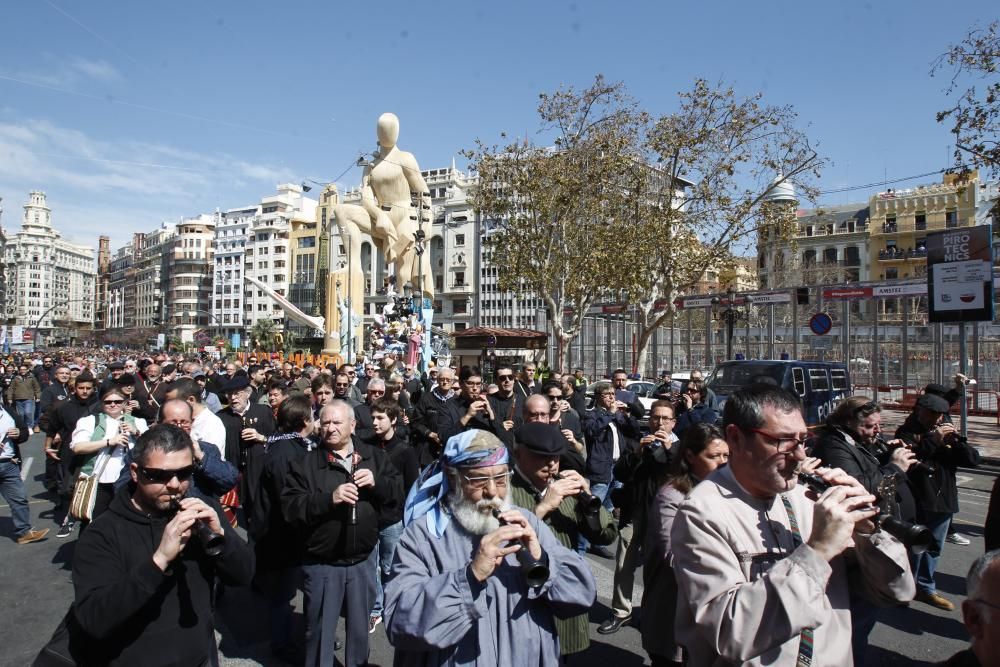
x,y
729,377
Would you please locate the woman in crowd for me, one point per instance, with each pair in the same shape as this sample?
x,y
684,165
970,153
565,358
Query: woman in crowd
x,y
99,443
702,449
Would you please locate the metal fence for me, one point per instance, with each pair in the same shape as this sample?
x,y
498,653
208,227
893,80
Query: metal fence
x,y
891,348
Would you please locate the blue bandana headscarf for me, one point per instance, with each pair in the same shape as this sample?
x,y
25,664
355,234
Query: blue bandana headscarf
x,y
431,487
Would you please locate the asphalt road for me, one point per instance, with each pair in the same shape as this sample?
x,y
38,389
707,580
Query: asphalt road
x,y
35,580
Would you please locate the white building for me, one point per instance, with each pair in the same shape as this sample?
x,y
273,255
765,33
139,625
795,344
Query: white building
x,y
150,276
266,251
230,242
50,281
189,285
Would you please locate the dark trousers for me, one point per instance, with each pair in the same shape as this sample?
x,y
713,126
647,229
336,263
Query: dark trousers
x,y
327,589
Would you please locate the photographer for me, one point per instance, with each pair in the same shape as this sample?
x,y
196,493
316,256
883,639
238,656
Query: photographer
x,y
938,445
470,409
559,499
692,409
850,441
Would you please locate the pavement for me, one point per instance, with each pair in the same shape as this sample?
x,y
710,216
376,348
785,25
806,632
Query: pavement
x,y
37,589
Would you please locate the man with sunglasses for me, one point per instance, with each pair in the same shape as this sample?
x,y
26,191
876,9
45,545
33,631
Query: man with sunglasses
x,y
692,408
364,428
143,580
506,403
470,409
353,391
761,567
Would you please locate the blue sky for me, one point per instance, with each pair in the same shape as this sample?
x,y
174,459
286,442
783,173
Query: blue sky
x,y
132,113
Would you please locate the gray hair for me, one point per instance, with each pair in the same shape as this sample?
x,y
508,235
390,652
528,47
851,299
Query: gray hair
x,y
601,387
376,383
976,572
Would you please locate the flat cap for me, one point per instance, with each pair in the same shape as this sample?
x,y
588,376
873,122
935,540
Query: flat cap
x,y
543,439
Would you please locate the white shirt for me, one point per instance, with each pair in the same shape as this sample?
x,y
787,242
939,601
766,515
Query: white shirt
x,y
207,427
84,432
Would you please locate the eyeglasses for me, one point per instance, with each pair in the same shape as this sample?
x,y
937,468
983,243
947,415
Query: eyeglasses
x,y
377,392
505,378
557,397
606,393
178,422
480,483
113,402
162,476
988,604
342,385
784,444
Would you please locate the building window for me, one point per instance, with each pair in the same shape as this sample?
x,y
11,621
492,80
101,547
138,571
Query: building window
x,y
460,279
459,239
307,241
951,219
891,273
920,221
458,306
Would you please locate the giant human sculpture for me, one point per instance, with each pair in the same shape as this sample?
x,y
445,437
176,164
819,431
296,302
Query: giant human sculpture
x,y
393,195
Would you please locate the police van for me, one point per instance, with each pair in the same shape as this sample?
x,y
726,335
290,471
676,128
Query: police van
x,y
819,384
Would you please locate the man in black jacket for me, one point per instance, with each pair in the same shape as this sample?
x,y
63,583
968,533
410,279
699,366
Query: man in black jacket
x,y
52,395
248,426
942,449
469,410
427,416
336,495
506,403
143,579
59,433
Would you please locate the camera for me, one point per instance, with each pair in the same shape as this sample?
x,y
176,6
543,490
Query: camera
x,y
914,537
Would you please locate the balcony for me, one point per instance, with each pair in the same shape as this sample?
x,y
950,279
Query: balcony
x,y
898,254
915,226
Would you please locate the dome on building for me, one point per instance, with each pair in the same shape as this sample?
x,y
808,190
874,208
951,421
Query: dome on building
x,y
781,190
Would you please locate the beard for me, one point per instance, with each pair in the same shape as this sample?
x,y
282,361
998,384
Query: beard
x,y
477,517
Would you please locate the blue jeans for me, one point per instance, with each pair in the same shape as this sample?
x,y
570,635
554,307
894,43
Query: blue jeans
x,y
26,410
601,490
388,538
12,489
925,565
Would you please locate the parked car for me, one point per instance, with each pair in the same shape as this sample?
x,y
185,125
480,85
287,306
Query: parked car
x,y
819,384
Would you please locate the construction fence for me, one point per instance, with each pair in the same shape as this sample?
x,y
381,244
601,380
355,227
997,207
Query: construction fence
x,y
881,331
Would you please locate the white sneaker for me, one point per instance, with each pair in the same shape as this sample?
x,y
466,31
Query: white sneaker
x,y
955,538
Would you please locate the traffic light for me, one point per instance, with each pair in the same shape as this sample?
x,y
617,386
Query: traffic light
x,y
802,296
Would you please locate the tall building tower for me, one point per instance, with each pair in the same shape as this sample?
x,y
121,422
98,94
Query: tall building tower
x,y
102,283
50,281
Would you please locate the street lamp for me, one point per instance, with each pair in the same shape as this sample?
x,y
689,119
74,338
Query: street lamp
x,y
731,315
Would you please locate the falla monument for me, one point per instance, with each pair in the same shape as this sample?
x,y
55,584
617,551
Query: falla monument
x,y
395,203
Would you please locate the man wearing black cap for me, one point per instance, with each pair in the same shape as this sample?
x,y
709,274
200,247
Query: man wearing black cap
x,y
560,499
247,424
942,449
115,370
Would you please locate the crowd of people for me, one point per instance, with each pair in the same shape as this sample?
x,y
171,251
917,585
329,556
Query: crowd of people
x,y
456,514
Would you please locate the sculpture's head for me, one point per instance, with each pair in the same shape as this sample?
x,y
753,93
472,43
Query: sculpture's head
x,y
388,130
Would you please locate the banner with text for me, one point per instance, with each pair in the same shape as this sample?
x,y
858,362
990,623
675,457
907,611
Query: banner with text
x,y
960,275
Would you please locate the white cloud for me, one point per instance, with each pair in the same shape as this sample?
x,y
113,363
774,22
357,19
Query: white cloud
x,y
71,72
115,186
100,70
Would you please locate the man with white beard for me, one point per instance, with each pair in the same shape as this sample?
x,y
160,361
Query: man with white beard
x,y
447,607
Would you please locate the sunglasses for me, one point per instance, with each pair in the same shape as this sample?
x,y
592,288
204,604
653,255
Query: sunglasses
x,y
505,378
161,476
113,402
376,392
342,385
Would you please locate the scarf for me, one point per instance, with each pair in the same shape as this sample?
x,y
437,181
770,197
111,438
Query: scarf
x,y
431,488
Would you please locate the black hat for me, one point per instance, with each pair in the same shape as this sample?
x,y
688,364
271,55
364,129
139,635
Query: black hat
x,y
544,439
239,381
168,369
116,366
934,403
936,389
198,374
126,380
